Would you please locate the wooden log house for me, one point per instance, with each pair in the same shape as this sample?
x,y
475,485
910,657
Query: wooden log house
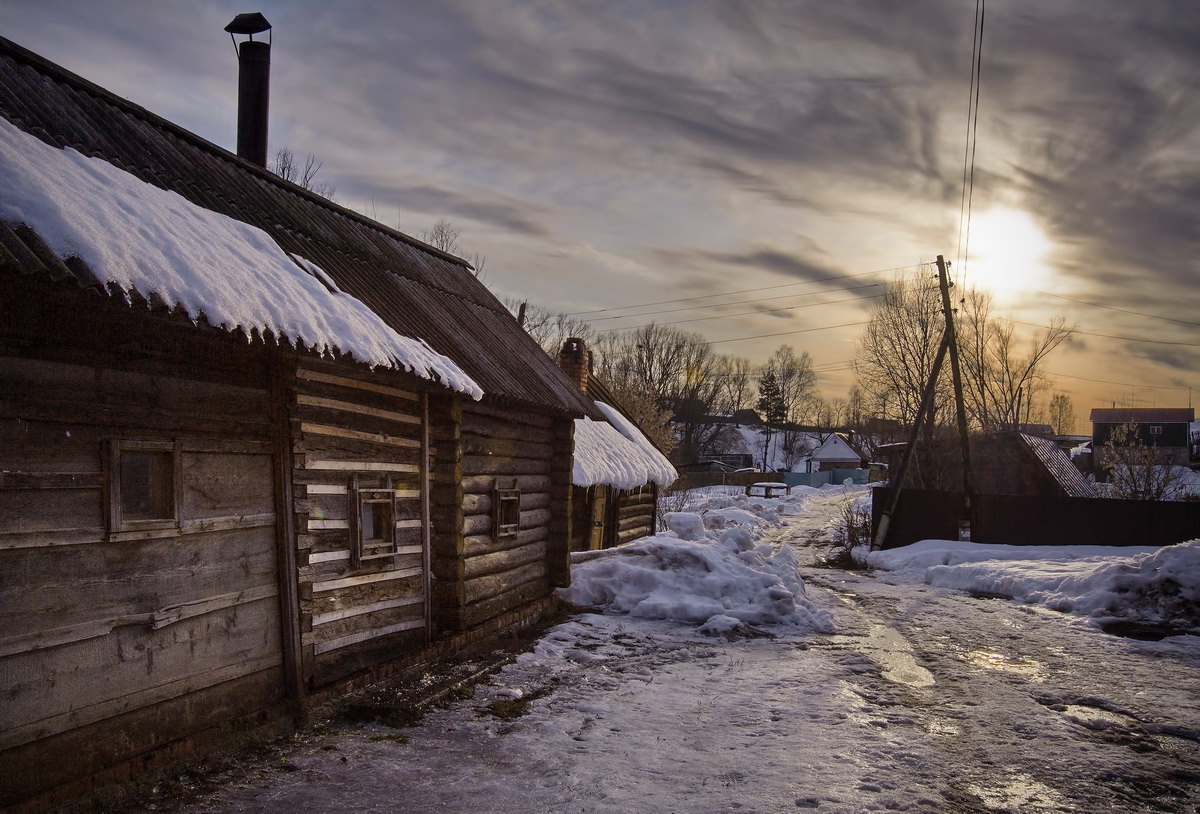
x,y
208,516
618,472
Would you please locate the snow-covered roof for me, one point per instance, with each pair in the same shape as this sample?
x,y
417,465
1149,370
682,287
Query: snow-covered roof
x,y
836,448
154,242
440,315
617,454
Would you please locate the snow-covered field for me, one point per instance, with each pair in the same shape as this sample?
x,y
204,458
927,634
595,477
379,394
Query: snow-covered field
x,y
719,669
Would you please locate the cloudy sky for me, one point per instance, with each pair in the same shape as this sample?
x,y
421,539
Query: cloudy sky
x,y
746,170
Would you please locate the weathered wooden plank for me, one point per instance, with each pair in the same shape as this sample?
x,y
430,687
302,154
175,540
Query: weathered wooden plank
x,y
367,635
201,526
474,410
357,435
366,616
475,484
361,610
64,585
86,681
364,579
498,561
27,510
109,708
46,539
358,466
504,467
51,480
351,407
478,544
343,381
328,556
479,612
492,585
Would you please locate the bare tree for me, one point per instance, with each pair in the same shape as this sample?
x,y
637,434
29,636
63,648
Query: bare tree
x,y
1062,414
894,357
1001,383
1136,470
444,235
797,383
551,328
285,165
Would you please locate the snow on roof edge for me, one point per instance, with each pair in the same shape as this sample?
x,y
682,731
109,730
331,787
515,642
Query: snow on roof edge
x,y
155,242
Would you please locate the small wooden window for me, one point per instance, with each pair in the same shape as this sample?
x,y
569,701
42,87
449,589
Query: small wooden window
x,y
1156,429
374,526
143,483
507,509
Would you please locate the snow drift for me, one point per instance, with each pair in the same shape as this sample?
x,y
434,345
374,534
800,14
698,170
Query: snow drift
x,y
708,569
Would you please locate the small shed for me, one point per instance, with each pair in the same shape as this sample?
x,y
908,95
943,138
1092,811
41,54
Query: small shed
x,y
618,471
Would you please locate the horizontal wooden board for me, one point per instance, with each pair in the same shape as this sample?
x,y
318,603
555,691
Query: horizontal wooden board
x,y
306,374
134,666
386,604
310,428
352,407
359,466
498,561
364,579
375,633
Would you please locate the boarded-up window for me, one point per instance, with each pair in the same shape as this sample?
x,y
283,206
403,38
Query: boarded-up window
x,y
374,513
507,505
143,485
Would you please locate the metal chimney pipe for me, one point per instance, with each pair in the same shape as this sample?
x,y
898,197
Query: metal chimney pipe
x,y
254,86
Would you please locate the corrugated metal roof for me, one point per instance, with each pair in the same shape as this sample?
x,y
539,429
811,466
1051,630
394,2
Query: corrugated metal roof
x,y
1143,415
1059,465
418,290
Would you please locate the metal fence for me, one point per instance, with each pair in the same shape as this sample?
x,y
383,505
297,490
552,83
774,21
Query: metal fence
x,y
925,514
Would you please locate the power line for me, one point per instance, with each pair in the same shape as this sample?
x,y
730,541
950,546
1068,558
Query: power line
x,y
744,291
964,238
1111,336
1120,384
787,333
1122,310
739,313
740,302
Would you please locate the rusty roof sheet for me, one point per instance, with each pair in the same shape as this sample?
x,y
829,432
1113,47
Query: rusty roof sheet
x,y
418,290
1058,464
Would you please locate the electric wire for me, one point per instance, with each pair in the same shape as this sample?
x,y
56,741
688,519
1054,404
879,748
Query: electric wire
x,y
741,313
743,291
739,302
1122,310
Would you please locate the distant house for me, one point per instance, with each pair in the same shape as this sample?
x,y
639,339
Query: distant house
x,y
1167,429
837,451
618,471
253,446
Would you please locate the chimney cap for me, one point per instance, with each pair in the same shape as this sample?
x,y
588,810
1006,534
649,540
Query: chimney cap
x,y
251,23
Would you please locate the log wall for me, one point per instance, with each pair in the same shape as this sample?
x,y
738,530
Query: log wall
x,y
353,430
480,574
115,642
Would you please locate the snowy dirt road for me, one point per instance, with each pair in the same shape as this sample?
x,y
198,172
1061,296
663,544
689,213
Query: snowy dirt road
x,y
924,700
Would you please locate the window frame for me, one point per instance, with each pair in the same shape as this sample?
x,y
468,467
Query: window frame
x,y
117,521
383,548
506,511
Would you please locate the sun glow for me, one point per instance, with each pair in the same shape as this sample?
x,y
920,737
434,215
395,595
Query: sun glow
x,y
1006,253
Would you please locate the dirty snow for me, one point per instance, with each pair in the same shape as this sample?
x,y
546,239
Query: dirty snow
x,y
145,239
924,699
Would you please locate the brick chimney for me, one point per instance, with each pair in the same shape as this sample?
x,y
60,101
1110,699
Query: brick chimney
x,y
574,360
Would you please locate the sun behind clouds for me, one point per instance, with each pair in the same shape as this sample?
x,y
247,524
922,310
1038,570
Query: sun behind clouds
x,y
1006,254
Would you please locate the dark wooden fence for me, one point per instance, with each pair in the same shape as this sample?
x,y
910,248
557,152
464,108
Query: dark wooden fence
x,y
925,514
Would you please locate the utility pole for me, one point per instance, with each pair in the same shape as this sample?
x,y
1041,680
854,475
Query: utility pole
x,y
959,401
885,519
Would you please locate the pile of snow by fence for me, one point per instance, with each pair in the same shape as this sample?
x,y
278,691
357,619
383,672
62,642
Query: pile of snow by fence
x,y
709,569
1156,586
